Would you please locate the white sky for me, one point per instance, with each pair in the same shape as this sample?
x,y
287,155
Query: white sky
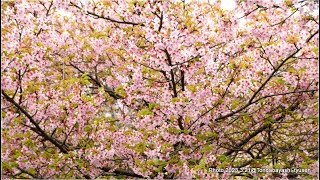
x,y
228,4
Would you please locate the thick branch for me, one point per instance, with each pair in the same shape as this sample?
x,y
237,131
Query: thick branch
x,y
182,80
29,173
161,21
252,135
174,85
123,172
259,130
39,130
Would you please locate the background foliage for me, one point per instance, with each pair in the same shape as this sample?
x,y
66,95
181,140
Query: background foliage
x,y
158,89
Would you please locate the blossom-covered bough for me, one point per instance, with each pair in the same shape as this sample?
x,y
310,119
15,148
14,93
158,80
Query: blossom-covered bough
x,y
158,89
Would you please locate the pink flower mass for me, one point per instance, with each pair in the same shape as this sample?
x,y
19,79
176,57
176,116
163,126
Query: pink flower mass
x,y
159,89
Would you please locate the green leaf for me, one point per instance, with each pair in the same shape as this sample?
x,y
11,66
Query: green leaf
x,y
18,154
39,43
140,147
76,125
3,114
206,148
188,119
120,90
279,80
32,171
5,164
234,103
197,176
315,50
28,142
157,162
101,89
223,157
191,88
152,105
87,128
291,69
144,112
231,65
268,120
165,145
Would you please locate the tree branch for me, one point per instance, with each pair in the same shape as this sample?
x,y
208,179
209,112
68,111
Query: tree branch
x,y
107,18
29,173
106,88
123,172
39,130
174,85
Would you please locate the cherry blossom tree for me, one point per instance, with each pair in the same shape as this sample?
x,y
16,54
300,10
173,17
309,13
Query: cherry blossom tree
x,y
158,89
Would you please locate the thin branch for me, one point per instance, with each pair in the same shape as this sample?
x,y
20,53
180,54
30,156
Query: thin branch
x,y
250,102
283,21
106,88
312,36
223,95
107,18
248,13
193,58
286,93
158,70
155,80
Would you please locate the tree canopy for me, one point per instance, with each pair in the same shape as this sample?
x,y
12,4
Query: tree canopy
x,y
159,89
